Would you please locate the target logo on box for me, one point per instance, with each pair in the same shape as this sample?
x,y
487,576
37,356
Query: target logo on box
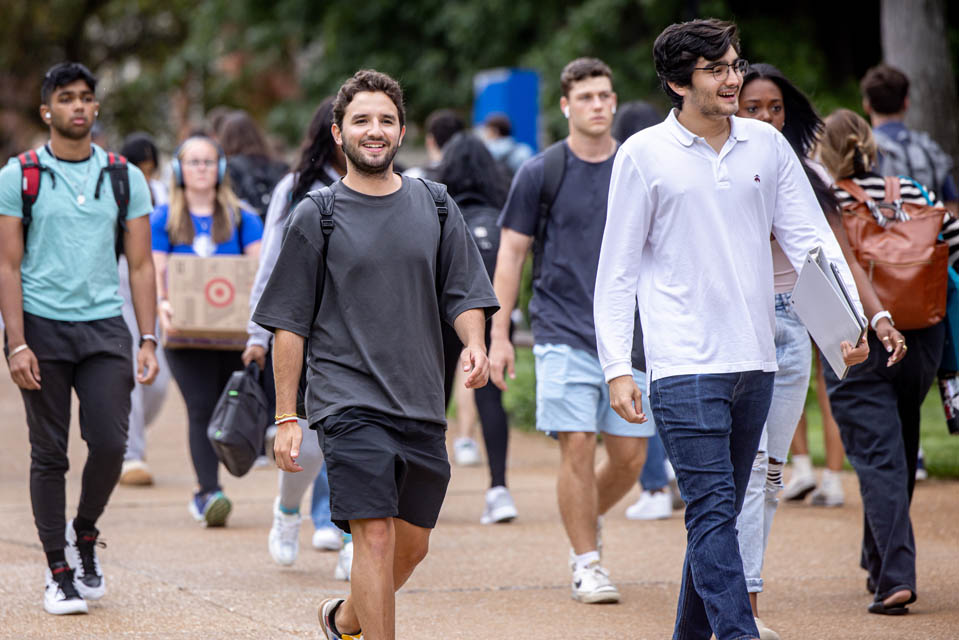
x,y
211,300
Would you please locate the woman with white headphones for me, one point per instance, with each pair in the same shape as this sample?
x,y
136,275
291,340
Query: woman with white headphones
x,y
203,218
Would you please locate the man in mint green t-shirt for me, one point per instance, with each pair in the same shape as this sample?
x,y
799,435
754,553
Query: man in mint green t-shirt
x,y
64,330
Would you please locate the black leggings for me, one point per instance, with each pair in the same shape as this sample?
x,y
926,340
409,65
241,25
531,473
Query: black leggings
x,y
201,375
489,405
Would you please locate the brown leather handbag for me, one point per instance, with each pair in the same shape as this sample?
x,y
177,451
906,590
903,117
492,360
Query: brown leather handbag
x,y
905,260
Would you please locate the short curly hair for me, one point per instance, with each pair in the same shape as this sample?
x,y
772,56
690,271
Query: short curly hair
x,y
678,48
580,69
368,80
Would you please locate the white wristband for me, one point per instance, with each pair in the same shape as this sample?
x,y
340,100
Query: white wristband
x,y
879,316
13,352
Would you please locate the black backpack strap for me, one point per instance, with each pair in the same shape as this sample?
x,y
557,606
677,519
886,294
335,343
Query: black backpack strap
x,y
554,168
439,194
324,200
116,168
31,171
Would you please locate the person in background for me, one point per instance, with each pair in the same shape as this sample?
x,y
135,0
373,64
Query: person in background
x,y
479,187
321,164
140,149
203,219
903,151
146,400
64,329
440,126
877,405
571,394
767,95
253,171
497,132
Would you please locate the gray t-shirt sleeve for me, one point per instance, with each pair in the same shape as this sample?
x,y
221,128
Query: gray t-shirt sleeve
x,y
288,299
462,278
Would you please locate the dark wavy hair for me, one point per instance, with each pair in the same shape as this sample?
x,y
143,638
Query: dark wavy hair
x,y
315,152
678,48
468,169
801,128
368,80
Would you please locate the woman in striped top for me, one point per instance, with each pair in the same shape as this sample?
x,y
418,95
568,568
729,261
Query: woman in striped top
x,y
877,404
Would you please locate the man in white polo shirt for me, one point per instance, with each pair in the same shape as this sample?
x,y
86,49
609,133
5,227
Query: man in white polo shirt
x,y
692,203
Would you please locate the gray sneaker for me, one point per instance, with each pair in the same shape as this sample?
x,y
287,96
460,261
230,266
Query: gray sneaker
x,y
499,506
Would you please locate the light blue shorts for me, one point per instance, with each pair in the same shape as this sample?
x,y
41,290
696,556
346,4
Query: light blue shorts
x,y
572,395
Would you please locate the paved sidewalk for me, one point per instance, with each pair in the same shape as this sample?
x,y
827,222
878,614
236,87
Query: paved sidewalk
x,y
169,578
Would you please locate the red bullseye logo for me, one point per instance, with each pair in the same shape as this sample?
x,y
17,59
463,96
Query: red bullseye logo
x,y
219,292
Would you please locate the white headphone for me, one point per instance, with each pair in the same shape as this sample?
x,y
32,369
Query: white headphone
x,y
566,112
46,115
614,108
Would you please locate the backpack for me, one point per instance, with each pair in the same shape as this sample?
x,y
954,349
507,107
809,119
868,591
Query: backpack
x,y
324,199
253,179
903,258
554,169
116,169
238,424
913,154
481,219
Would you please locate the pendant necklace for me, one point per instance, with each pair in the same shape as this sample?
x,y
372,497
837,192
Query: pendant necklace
x,y
80,190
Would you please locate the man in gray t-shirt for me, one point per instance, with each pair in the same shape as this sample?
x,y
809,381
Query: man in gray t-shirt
x,y
393,270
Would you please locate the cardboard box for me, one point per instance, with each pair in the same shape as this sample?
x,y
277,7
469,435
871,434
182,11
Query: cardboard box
x,y
211,301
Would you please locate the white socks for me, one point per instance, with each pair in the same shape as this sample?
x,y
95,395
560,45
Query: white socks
x,y
584,560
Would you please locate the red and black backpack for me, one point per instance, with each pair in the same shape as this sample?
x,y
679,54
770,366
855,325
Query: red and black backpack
x,y
116,169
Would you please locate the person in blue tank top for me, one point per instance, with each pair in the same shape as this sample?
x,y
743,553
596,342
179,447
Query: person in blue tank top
x,y
203,219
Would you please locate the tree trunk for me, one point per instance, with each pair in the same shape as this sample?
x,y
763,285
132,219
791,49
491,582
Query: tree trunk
x,y
914,40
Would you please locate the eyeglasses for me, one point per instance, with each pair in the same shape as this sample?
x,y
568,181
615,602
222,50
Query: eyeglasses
x,y
720,70
195,164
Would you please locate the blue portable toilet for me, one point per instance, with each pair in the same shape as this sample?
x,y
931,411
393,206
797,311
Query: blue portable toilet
x,y
514,92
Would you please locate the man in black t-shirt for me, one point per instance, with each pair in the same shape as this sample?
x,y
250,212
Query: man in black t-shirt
x,y
571,393
392,272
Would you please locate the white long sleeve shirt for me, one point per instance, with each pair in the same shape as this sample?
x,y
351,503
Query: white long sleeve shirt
x,y
687,237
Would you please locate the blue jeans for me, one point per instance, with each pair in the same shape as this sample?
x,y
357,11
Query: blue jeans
x,y
653,476
320,502
710,426
793,356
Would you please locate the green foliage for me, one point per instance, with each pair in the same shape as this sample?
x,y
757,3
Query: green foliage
x,y
520,399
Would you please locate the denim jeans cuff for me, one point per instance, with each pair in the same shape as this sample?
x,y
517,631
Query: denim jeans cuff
x,y
754,585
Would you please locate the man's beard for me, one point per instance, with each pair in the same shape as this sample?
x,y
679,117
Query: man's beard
x,y
354,155
710,107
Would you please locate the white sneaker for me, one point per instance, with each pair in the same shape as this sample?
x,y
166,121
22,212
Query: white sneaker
x,y
651,506
499,506
135,473
765,633
82,557
466,452
591,585
327,539
803,480
344,562
829,493
284,541
60,595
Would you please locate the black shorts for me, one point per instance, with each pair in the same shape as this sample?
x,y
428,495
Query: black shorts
x,y
382,466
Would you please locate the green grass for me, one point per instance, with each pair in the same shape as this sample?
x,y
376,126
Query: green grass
x,y
941,449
